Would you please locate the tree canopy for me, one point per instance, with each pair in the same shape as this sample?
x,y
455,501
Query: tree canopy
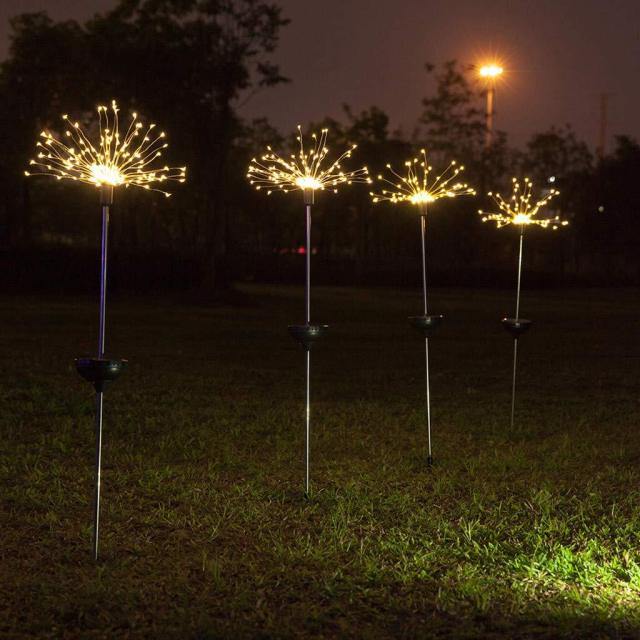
x,y
189,65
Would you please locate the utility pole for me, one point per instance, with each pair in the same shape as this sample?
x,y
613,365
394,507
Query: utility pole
x,y
604,124
490,74
491,94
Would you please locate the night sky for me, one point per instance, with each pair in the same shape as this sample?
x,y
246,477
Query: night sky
x,y
560,56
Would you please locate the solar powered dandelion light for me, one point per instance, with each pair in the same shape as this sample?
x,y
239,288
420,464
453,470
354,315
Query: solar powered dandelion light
x,y
416,186
308,170
520,210
117,159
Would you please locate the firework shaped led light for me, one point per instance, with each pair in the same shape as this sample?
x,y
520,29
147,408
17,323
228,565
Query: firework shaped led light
x,y
522,210
308,170
114,159
120,158
418,187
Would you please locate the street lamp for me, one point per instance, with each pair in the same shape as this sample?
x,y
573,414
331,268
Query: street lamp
x,y
490,73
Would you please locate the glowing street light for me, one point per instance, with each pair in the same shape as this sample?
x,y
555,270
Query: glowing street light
x,y
418,188
521,210
119,159
490,73
307,170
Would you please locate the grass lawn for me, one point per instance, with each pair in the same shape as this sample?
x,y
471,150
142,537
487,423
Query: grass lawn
x,y
205,533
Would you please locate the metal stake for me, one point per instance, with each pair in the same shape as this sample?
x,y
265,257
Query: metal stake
x,y
308,416
423,229
106,200
515,340
96,500
513,384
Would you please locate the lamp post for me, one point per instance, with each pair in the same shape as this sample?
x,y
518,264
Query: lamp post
x,y
490,74
116,160
416,187
308,171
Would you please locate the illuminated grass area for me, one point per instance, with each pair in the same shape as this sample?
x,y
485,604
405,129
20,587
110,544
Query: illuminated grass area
x,y
205,533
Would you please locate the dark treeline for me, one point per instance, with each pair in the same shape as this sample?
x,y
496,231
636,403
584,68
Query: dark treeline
x,y
189,65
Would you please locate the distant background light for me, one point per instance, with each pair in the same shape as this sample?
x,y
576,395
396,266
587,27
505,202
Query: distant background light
x,y
491,71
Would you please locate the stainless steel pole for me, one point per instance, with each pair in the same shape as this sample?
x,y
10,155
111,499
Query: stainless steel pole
x,y
515,340
100,394
423,229
308,321
519,273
